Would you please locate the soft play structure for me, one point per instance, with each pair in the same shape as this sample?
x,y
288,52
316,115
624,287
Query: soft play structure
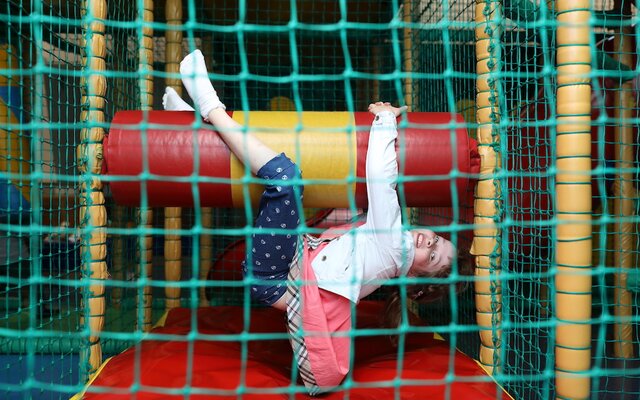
x,y
123,226
325,153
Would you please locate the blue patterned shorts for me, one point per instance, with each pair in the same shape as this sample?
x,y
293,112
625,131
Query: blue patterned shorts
x,y
278,215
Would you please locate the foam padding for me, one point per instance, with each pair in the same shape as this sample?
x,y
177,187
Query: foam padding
x,y
153,155
15,144
216,363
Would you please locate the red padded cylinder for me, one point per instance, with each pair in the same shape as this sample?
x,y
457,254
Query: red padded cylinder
x,y
162,143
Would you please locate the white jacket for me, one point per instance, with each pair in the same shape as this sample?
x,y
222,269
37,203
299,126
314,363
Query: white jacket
x,y
356,264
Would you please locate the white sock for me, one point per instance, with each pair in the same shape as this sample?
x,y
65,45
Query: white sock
x,y
196,80
171,101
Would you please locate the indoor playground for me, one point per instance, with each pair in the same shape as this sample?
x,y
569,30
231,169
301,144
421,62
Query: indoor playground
x,y
123,226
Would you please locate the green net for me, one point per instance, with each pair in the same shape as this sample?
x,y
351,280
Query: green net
x,y
40,106
306,56
530,187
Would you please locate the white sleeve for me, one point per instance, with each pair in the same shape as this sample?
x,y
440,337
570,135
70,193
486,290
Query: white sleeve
x,y
383,217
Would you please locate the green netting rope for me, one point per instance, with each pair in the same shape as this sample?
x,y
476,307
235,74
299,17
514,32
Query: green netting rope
x,y
304,56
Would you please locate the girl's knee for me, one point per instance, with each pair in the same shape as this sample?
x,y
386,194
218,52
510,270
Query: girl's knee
x,y
286,180
297,175
278,167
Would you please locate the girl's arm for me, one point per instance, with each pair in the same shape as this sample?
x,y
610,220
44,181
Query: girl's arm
x,y
384,216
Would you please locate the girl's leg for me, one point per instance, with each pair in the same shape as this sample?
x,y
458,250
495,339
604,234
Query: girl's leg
x,y
271,250
248,148
273,246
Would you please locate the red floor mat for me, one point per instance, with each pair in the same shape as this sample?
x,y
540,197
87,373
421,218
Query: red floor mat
x,y
217,367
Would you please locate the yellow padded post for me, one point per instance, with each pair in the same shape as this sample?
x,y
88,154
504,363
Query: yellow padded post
x,y
92,211
623,192
486,241
145,215
573,200
173,215
408,60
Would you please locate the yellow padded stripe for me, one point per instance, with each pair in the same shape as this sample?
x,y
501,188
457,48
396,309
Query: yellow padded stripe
x,y
325,142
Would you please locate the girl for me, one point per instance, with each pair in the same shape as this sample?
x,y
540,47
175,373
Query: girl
x,y
317,280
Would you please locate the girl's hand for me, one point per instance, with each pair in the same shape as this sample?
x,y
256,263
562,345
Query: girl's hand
x,y
380,107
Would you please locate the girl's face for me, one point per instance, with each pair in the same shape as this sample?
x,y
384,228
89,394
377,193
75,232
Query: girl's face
x,y
432,253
